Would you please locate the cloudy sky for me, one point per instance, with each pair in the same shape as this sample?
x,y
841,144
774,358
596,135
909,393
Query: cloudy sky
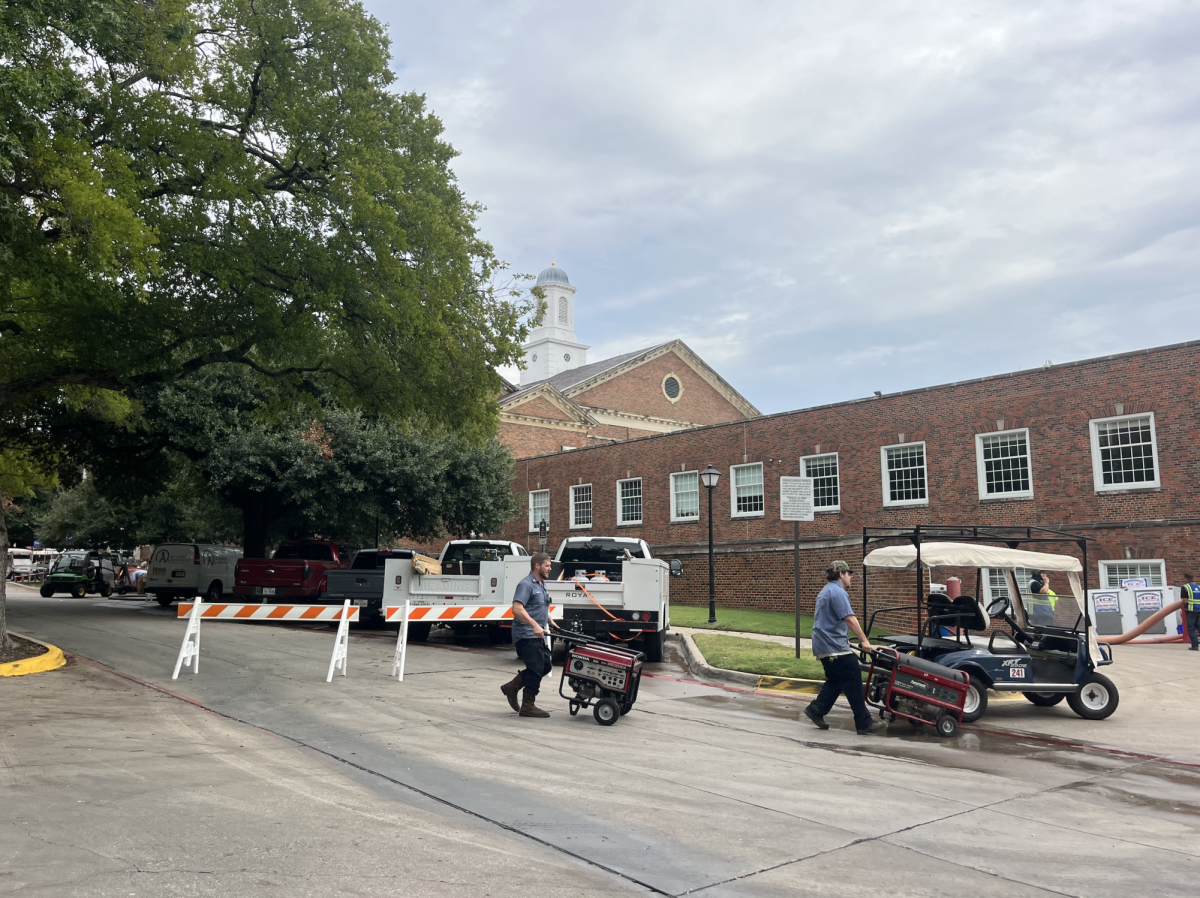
x,y
827,199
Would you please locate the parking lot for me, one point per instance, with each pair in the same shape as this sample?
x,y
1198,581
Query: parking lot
x,y
255,777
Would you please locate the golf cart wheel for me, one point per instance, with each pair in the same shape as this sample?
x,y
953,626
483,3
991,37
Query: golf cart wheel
x,y
46,592
573,707
977,699
79,591
947,726
1045,699
652,645
165,601
1096,699
606,712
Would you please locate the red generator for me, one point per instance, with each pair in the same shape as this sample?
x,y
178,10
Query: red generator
x,y
917,690
606,676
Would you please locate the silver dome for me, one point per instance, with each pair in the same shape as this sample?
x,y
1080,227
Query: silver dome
x,y
553,275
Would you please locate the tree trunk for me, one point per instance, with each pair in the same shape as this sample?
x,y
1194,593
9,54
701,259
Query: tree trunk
x,y
5,642
254,527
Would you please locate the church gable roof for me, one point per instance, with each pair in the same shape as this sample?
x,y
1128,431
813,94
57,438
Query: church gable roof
x,y
543,401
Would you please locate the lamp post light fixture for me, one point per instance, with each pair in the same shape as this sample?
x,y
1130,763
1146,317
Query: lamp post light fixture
x,y
709,477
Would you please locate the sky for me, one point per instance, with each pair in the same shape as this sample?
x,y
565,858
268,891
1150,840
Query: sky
x,y
828,199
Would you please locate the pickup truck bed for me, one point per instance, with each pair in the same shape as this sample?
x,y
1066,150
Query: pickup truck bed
x,y
363,583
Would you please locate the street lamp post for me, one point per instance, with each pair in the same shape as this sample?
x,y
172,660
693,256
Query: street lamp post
x,y
709,477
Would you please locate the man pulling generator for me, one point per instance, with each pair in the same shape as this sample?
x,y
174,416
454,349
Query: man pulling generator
x,y
530,629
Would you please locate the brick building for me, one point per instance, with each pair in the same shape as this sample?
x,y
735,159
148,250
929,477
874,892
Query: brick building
x,y
1107,447
564,402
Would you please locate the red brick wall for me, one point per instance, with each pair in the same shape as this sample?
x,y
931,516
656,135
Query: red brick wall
x,y
639,391
524,440
540,407
1055,404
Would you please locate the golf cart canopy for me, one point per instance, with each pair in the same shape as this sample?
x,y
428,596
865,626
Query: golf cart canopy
x,y
904,558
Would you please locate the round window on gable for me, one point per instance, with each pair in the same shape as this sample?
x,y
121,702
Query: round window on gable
x,y
566,356
671,388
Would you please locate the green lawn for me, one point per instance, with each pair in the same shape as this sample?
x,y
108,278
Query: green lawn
x,y
756,657
742,620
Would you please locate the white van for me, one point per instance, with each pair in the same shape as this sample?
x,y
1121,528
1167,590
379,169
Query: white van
x,y
186,570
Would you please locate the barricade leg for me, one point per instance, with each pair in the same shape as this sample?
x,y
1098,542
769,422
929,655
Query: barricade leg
x,y
341,645
189,652
401,646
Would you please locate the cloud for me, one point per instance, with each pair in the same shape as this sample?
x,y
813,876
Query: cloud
x,y
828,199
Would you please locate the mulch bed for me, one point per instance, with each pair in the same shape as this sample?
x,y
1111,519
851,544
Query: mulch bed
x,y
22,650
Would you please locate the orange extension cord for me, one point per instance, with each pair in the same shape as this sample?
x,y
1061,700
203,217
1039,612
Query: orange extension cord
x,y
606,611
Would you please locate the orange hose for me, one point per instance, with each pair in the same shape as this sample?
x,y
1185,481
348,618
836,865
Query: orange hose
x,y
1146,625
606,611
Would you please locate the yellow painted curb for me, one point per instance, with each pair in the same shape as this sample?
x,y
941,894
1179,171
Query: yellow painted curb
x,y
790,684
51,659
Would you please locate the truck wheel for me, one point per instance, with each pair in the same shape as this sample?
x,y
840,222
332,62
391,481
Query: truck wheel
x,y
1045,699
652,644
977,699
497,635
214,592
165,601
606,712
419,632
46,592
1096,699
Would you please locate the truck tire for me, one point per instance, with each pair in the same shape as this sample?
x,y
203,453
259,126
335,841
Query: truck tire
x,y
1096,699
652,645
214,592
1045,699
977,699
419,632
498,635
165,601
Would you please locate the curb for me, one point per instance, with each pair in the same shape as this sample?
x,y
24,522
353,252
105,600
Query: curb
x,y
694,659
51,659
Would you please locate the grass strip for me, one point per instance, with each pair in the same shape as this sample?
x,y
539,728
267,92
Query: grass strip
x,y
747,620
757,657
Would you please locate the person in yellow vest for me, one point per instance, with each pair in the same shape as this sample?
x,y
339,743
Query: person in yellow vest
x,y
1042,601
1190,593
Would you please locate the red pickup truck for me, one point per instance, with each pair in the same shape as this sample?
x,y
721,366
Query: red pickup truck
x,y
296,571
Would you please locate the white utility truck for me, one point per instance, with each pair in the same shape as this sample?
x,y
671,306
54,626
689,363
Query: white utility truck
x,y
187,570
610,587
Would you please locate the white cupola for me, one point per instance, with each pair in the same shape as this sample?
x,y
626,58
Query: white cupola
x,y
553,347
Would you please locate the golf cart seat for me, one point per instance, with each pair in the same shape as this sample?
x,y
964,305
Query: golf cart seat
x,y
963,612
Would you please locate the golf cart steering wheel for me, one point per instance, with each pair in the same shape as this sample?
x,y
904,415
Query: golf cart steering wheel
x,y
1002,608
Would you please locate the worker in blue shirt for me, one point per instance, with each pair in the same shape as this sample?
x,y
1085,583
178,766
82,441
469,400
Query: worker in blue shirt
x,y
531,623
1190,593
831,646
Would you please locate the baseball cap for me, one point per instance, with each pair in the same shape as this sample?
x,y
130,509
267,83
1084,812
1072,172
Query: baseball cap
x,y
836,567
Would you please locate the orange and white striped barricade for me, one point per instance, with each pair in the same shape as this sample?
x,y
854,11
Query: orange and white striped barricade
x,y
196,611
434,614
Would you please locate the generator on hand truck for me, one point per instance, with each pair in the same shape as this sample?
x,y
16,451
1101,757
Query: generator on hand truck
x,y
917,690
602,677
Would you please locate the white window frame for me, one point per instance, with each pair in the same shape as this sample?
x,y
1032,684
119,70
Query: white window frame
x,y
591,501
621,522
533,525
1097,463
1149,562
981,468
733,512
1022,578
804,459
887,486
675,519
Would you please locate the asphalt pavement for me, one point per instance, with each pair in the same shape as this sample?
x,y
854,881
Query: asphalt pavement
x,y
256,777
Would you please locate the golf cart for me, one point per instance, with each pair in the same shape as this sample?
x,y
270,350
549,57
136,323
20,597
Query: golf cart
x,y
80,573
1045,659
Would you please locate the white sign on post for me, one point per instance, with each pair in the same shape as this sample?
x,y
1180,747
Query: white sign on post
x,y
796,499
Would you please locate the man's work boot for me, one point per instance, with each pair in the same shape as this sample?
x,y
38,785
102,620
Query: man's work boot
x,y
510,690
528,708
816,718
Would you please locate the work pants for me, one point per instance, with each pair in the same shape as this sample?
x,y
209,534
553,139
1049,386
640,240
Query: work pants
x,y
537,663
843,677
1193,626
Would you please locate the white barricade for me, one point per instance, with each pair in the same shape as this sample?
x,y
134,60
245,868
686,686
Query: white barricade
x,y
189,652
445,613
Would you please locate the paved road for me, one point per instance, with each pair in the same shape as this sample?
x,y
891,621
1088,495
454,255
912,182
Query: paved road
x,y
268,781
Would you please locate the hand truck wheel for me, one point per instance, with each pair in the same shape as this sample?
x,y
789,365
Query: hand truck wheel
x,y
573,707
947,726
606,712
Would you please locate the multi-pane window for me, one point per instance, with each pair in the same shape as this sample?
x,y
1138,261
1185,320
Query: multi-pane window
x,y
685,496
629,501
581,505
539,509
1113,572
997,583
827,491
1124,452
746,485
1003,464
904,474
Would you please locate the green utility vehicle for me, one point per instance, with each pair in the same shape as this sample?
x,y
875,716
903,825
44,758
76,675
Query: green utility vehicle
x,y
80,573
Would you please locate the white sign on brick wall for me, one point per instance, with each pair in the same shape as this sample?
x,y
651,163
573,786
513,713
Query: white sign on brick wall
x,y
795,498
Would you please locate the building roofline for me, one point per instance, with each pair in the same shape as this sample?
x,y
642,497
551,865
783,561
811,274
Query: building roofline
x,y
1171,347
